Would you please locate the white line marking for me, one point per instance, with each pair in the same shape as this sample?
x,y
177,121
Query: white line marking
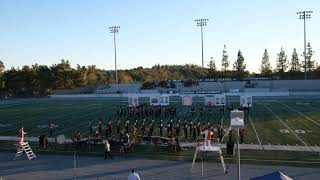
x,y
222,118
275,115
255,132
301,114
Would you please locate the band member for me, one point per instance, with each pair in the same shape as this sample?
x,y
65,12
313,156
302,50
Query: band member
x,y
185,123
118,126
160,128
178,130
220,132
78,136
171,124
110,127
185,128
194,133
198,128
190,127
230,135
100,126
97,135
135,124
168,130
127,126
151,127
143,126
135,131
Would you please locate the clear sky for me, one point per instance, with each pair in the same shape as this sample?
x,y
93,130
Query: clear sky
x,y
152,31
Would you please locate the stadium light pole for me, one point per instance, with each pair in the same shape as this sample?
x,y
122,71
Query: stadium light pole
x,y
201,23
305,15
114,30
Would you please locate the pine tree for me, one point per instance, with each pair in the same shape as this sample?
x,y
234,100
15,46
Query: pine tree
x,y
310,63
294,64
239,66
225,62
212,68
1,67
212,64
282,63
265,67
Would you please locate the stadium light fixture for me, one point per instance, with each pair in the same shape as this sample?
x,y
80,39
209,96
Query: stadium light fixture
x,y
201,23
114,30
305,15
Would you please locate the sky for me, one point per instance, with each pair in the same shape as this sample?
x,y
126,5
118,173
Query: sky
x,y
152,31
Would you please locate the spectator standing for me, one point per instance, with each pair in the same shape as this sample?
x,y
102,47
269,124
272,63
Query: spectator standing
x,y
133,176
107,150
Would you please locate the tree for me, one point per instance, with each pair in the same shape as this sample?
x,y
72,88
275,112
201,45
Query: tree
x,y
1,67
294,64
91,75
212,64
124,77
310,63
265,67
239,66
63,75
282,63
225,62
44,78
212,68
1,72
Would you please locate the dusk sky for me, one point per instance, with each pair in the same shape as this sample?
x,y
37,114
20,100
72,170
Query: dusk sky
x,y
152,32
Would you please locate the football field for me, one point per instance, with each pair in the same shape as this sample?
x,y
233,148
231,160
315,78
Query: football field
x,y
273,122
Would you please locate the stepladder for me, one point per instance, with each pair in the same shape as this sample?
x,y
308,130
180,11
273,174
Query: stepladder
x,y
214,148
24,147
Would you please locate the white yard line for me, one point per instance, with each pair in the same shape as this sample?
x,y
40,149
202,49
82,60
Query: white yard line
x,y
275,115
255,132
301,114
222,118
196,118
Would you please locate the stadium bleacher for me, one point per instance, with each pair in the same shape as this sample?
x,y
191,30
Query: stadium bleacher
x,y
223,86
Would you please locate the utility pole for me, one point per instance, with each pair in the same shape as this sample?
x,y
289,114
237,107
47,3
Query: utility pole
x,y
305,15
201,23
114,30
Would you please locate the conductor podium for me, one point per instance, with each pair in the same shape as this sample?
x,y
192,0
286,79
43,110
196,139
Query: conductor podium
x,y
236,123
24,147
215,148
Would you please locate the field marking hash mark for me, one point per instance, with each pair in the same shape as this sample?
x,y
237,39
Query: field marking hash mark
x,y
301,114
275,115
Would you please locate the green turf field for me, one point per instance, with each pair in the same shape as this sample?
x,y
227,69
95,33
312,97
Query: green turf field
x,y
262,125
